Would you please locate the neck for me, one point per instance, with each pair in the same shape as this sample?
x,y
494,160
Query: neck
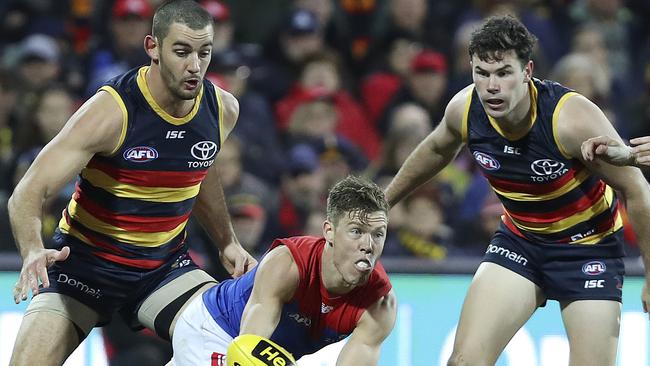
x,y
160,92
330,276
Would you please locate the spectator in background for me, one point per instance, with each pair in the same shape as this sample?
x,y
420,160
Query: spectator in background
x,y
379,87
37,63
300,38
322,76
130,22
248,220
263,155
8,122
426,85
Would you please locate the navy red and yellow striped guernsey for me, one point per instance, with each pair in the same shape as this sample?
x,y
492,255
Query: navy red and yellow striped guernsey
x,y
131,207
548,197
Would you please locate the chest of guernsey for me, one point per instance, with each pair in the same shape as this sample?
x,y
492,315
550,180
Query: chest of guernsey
x,y
132,206
548,197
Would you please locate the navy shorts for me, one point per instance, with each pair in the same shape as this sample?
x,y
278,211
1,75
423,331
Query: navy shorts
x,y
108,287
564,272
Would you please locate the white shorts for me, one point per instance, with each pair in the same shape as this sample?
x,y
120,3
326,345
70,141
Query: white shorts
x,y
198,339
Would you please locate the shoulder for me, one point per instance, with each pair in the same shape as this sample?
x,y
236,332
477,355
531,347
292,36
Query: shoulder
x,y
230,107
457,108
278,264
576,120
102,120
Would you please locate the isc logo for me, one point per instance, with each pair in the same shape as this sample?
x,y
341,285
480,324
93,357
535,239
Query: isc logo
x,y
140,154
486,161
595,284
594,268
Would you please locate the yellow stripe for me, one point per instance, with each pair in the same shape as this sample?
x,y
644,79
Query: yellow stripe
x,y
144,88
523,196
533,117
596,238
463,126
156,239
222,137
67,229
556,114
602,205
153,194
125,114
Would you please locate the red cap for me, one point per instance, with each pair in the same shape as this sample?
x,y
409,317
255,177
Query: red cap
x,y
217,9
429,61
140,8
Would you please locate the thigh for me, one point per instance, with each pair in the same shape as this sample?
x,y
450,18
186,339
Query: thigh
x,y
162,307
498,303
592,327
197,338
53,326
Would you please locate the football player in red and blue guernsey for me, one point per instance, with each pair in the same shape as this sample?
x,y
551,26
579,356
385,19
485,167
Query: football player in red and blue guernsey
x,y
307,292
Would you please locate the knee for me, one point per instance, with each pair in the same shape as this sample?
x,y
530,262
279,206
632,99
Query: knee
x,y
459,358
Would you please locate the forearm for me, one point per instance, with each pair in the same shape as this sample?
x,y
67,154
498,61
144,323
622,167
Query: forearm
x,y
211,211
424,163
260,319
25,213
358,355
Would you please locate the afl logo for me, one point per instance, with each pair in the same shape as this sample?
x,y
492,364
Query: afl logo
x,y
140,154
594,268
204,150
486,161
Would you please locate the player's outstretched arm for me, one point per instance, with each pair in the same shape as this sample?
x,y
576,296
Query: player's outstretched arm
x,y
581,120
211,210
276,281
374,326
641,150
432,154
95,128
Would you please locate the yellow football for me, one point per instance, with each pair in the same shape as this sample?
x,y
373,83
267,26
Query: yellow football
x,y
253,350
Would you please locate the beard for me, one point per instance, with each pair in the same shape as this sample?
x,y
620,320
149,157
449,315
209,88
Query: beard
x,y
174,85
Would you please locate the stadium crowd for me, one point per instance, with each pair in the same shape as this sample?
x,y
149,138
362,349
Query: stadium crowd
x,y
326,88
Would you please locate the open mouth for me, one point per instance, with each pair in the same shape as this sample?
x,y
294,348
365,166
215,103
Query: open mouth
x,y
191,84
495,103
363,265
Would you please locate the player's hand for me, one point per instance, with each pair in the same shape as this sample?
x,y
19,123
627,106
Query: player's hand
x,y
608,150
641,150
34,271
236,260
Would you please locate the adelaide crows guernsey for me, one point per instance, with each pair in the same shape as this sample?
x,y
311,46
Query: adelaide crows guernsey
x,y
131,206
548,197
313,318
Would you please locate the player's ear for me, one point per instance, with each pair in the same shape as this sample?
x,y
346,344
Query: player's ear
x,y
328,231
528,71
152,47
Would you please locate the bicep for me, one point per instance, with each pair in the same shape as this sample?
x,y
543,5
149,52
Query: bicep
x,y
94,128
580,120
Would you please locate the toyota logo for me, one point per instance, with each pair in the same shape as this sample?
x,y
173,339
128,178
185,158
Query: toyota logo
x,y
204,150
546,166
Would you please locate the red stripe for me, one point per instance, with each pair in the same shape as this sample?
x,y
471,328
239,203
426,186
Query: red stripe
x,y
150,178
532,188
130,222
582,204
510,225
139,263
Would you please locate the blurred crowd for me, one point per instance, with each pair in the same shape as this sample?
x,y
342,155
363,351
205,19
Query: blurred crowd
x,y
326,88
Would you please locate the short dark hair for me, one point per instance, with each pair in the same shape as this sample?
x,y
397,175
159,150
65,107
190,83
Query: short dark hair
x,y
354,195
187,12
500,34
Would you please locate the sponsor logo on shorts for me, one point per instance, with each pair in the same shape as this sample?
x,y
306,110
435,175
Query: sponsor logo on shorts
x,y
82,287
140,154
513,256
595,284
594,268
270,354
486,161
